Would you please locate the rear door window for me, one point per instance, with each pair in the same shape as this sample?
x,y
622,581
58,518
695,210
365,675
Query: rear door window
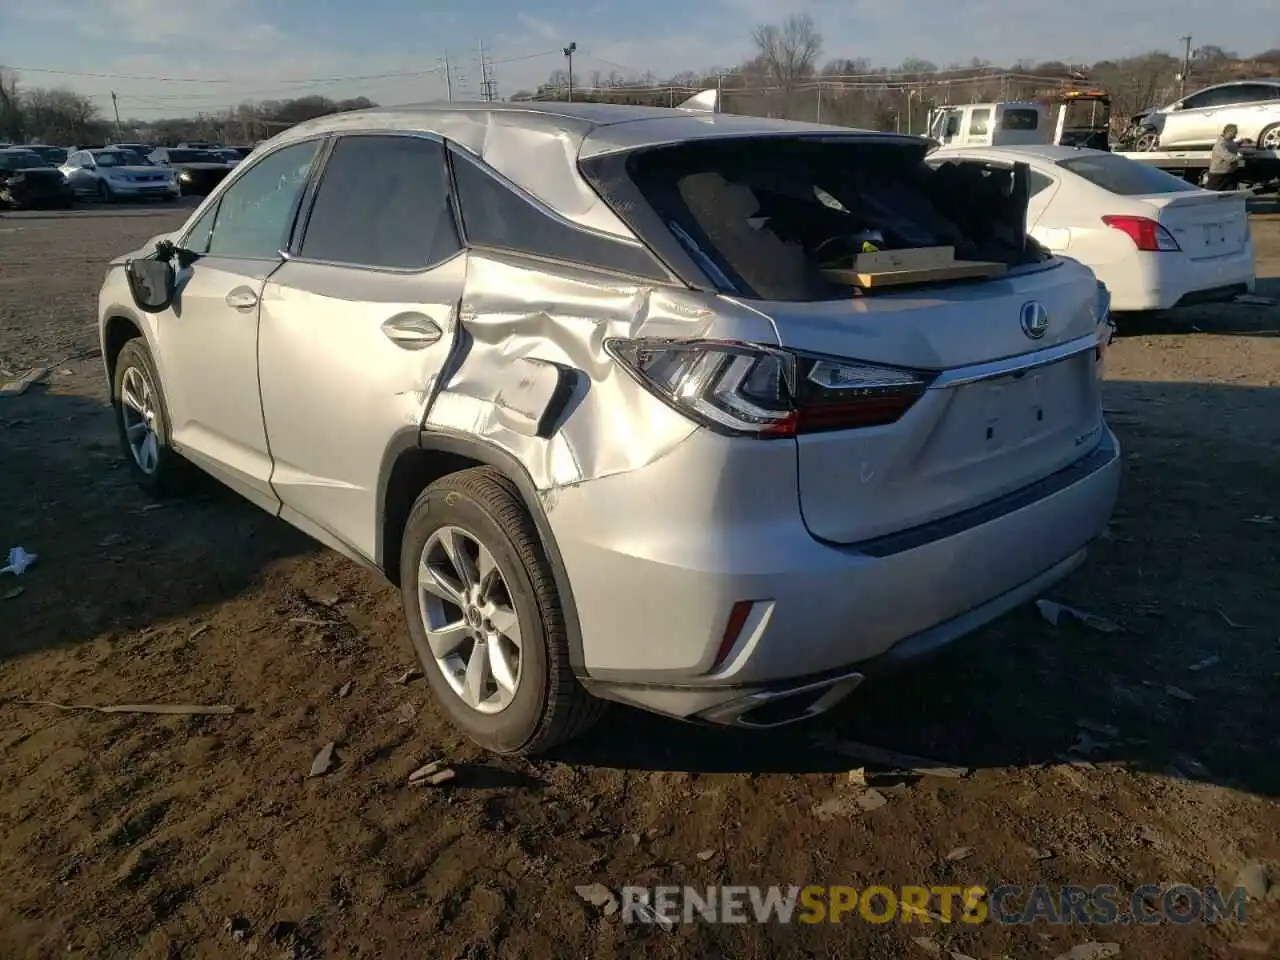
x,y
1124,177
383,202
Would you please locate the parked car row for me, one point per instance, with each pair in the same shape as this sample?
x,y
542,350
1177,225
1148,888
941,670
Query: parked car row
x,y
44,175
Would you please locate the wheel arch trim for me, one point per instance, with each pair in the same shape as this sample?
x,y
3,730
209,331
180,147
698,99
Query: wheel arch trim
x,y
409,440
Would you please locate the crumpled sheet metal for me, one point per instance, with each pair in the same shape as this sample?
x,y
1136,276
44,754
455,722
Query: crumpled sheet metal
x,y
538,152
613,425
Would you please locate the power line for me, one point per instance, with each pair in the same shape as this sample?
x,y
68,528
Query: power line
x,y
289,80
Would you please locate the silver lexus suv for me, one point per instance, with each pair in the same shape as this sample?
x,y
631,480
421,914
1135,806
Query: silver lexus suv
x,y
596,387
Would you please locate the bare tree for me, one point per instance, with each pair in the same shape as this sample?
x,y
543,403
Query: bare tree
x,y
11,116
789,51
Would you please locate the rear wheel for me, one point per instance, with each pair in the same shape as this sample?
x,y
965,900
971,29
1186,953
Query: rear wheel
x,y
104,192
1269,139
485,618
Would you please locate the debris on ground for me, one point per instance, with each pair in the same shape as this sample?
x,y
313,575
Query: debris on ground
x,y
238,928
1054,612
928,945
1265,521
1179,693
598,895
1205,664
431,775
324,760
315,622
1038,854
1253,879
858,776
345,690
888,758
12,594
165,709
197,632
959,853
1091,951
19,561
406,713
410,675
858,801
18,385
1228,621
705,855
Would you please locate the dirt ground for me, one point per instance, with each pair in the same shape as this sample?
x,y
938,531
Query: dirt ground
x,y
146,836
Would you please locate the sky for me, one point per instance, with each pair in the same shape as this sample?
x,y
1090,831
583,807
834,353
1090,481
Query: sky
x,y
213,54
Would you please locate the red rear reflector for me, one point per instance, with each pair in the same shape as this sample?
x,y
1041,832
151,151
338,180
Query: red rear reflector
x,y
733,629
1146,234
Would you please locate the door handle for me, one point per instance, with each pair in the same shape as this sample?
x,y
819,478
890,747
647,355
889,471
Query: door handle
x,y
412,331
242,298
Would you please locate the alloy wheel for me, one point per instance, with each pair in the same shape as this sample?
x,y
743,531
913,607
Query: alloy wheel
x,y
472,627
138,414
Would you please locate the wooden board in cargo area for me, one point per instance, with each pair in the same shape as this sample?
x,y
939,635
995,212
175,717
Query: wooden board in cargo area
x,y
889,268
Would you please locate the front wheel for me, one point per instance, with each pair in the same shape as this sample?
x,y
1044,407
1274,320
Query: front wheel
x,y
142,422
104,192
1269,139
485,618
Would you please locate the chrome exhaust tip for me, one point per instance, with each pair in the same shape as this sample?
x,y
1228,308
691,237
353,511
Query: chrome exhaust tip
x,y
766,709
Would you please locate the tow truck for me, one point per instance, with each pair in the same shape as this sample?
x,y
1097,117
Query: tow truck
x,y
1079,118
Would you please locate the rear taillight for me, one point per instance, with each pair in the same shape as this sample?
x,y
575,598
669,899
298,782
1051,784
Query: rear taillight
x,y
1149,236
752,390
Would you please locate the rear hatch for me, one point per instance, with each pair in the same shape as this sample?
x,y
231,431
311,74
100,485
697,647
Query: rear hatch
x,y
978,432
1006,387
1205,224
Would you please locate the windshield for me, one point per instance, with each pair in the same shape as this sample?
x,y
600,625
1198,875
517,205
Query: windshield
x,y
1090,114
111,158
1124,177
193,156
21,160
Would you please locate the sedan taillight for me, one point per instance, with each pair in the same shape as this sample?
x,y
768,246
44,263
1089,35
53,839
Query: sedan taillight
x,y
1149,236
751,390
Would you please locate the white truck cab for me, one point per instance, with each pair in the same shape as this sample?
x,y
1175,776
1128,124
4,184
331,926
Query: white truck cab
x,y
1000,124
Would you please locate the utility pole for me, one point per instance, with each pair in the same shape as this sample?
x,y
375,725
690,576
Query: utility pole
x,y
488,83
448,77
115,104
1186,67
569,51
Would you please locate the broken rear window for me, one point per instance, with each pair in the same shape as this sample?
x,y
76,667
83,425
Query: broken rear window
x,y
763,217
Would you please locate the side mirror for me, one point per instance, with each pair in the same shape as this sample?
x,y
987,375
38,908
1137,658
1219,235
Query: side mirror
x,y
152,283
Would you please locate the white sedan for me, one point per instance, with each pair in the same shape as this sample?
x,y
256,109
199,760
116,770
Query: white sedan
x,y
1155,240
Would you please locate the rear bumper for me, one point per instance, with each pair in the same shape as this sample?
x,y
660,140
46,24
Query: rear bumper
x,y
1166,281
653,624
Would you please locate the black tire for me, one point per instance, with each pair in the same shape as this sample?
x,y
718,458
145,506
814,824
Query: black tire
x,y
104,192
171,475
549,706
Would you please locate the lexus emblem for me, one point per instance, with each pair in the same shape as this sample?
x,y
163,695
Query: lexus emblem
x,y
1035,319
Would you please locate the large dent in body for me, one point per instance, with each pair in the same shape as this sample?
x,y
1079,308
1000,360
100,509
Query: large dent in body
x,y
512,316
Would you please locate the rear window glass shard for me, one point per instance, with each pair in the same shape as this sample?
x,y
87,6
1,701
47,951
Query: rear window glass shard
x,y
1122,176
494,215
773,213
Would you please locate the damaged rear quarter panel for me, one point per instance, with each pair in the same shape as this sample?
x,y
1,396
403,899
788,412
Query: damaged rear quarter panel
x,y
518,314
